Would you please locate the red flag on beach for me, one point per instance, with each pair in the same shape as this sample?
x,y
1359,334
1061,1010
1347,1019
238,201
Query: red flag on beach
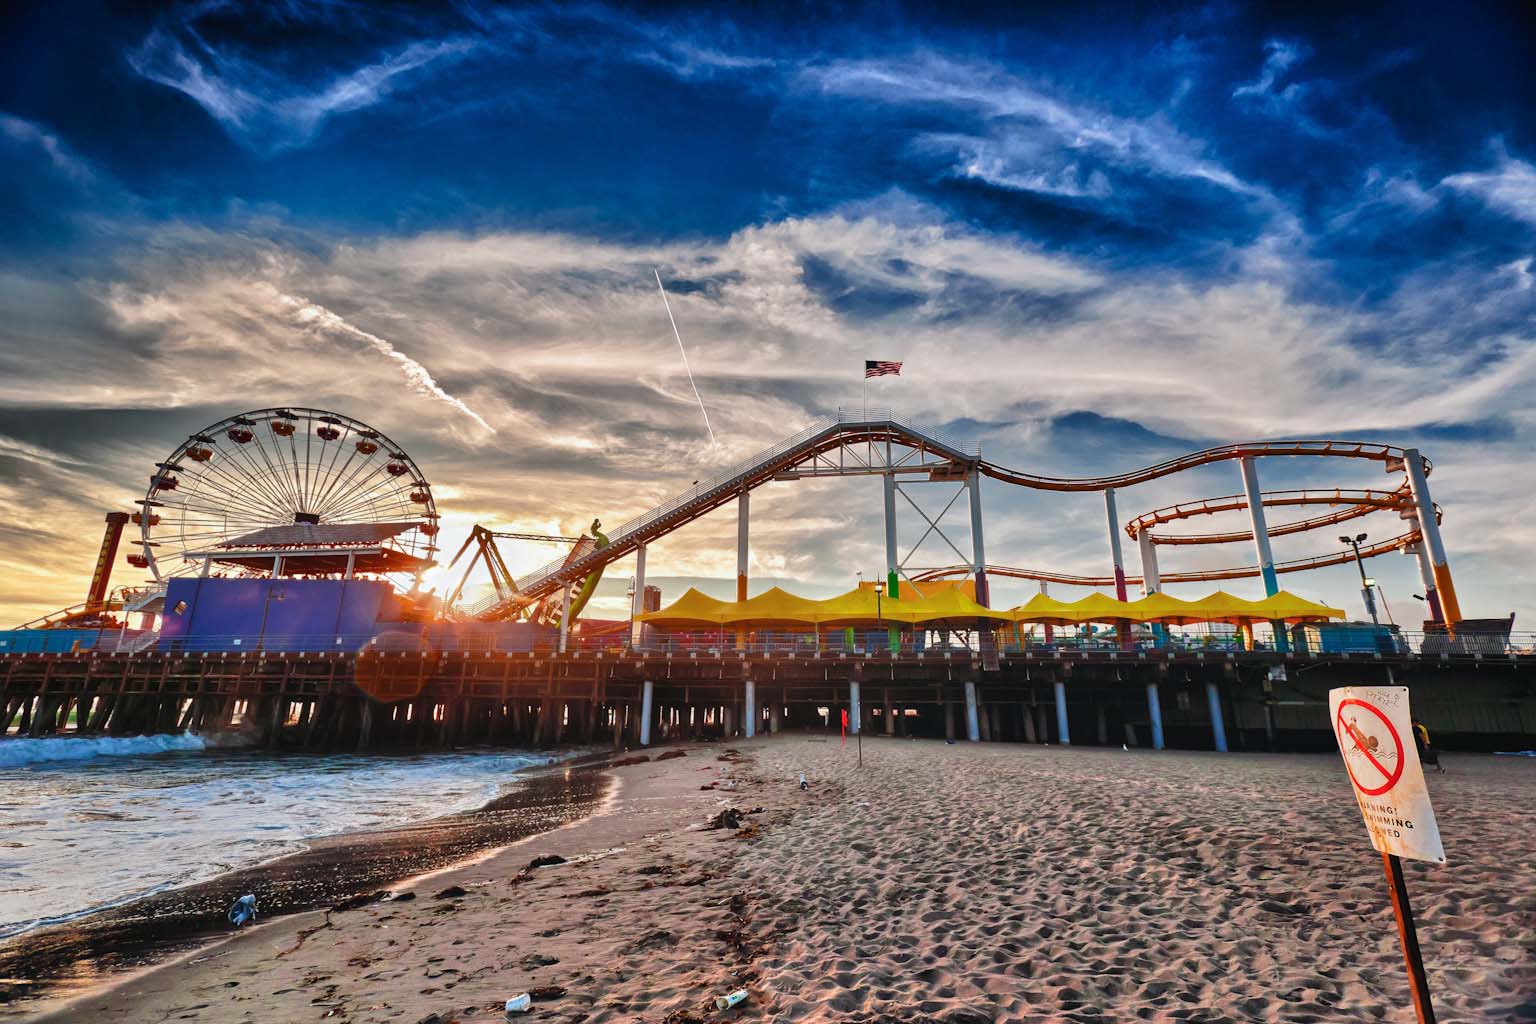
x,y
845,727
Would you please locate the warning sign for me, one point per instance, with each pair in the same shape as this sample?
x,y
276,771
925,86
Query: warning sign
x,y
1375,734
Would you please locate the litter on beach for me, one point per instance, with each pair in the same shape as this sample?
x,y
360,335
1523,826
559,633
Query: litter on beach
x,y
729,1000
519,1005
242,911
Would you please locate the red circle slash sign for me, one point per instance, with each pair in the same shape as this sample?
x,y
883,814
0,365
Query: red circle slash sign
x,y
1351,736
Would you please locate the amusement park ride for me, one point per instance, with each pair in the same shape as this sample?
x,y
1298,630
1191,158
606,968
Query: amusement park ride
x,y
299,494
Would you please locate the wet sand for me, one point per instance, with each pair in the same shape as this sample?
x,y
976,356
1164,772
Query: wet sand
x,y
990,882
61,960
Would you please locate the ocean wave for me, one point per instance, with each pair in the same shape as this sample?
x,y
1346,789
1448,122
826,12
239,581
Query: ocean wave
x,y
15,753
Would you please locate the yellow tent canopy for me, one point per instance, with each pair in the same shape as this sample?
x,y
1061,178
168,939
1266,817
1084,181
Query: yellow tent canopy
x,y
860,606
1224,607
1287,607
1042,608
773,607
1098,607
1162,608
953,605
694,608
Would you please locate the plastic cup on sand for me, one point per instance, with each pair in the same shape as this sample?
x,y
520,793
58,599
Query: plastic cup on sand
x,y
519,1005
725,1002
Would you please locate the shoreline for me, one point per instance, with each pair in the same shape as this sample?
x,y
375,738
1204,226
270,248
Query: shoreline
x,y
936,884
94,951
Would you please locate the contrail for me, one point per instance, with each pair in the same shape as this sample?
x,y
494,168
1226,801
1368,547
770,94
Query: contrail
x,y
419,376
684,351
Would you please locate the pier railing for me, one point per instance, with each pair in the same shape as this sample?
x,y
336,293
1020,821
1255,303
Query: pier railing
x,y
860,642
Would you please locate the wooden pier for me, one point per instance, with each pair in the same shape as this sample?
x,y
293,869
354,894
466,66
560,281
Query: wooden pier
x,y
376,701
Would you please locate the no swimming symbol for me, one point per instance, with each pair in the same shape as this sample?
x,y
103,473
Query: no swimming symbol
x,y
1373,750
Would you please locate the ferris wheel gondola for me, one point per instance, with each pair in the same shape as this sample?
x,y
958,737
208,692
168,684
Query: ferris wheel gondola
x,y
279,467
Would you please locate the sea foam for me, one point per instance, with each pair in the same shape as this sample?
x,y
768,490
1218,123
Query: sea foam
x,y
17,753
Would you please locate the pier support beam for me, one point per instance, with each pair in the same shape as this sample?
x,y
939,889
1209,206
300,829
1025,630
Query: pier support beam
x,y
949,715
776,715
751,713
647,704
1218,727
972,723
1155,715
885,713
1063,730
855,721
1445,590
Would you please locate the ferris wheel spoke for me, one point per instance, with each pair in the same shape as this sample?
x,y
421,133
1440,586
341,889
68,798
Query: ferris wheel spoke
x,y
333,475
342,503
209,483
364,499
341,490
327,472
242,467
296,469
254,495
278,476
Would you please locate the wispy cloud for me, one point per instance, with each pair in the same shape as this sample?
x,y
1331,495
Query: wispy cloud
x,y
23,132
1023,124
266,110
1509,187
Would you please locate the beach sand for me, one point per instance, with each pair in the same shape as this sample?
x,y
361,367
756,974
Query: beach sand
x,y
974,882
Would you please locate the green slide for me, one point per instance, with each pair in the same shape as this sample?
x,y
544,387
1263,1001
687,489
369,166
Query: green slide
x,y
590,585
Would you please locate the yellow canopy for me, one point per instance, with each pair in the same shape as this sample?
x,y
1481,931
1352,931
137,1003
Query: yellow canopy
x,y
1098,607
1162,608
773,607
1042,608
860,606
694,608
950,606
1286,606
1224,607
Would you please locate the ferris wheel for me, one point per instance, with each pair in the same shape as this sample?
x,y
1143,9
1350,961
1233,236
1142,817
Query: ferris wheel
x,y
279,467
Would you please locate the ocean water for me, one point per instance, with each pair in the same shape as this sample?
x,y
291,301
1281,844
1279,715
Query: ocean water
x,y
89,824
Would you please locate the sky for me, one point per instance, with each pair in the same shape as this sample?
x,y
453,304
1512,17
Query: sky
x,y
1096,237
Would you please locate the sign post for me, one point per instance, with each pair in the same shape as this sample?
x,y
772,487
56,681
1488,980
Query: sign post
x,y
1375,733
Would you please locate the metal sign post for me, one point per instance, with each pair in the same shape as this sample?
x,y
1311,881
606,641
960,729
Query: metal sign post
x,y
1375,733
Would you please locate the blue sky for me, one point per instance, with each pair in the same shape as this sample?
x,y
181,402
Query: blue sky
x,y
1096,237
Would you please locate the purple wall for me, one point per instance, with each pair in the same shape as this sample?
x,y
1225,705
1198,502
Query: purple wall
x,y
278,614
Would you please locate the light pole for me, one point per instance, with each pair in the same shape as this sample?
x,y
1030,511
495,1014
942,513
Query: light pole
x,y
1365,584
629,595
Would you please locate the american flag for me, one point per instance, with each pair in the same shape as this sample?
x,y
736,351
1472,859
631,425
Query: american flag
x,y
880,368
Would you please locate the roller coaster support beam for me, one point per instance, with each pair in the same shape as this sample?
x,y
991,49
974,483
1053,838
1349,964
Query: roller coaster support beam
x,y
978,548
637,602
1426,574
1445,590
742,529
1151,582
1050,630
1266,558
1117,562
565,616
892,563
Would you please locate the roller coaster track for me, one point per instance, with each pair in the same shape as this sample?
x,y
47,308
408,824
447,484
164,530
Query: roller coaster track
x,y
1357,504
1196,576
829,435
